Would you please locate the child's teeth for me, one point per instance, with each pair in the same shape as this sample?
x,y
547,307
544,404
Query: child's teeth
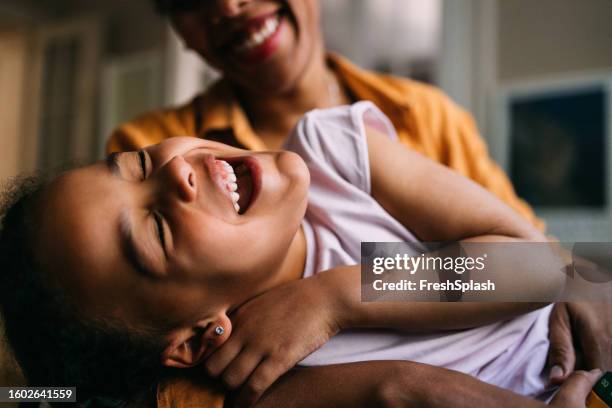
x,y
230,179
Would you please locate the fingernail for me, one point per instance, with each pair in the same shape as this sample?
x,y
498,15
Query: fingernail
x,y
556,371
596,371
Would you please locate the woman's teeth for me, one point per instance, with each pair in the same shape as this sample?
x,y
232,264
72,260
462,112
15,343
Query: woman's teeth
x,y
257,38
230,183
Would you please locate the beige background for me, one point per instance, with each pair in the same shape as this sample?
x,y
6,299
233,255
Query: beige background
x,y
12,71
548,37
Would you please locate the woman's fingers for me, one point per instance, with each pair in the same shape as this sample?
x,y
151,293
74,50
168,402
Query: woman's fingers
x,y
575,389
561,355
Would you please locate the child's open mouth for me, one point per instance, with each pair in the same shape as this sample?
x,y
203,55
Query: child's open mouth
x,y
242,178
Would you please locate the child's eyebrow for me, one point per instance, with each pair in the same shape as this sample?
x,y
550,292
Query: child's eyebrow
x,y
112,162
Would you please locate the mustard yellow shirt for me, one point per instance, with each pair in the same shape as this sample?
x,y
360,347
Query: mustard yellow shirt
x,y
425,119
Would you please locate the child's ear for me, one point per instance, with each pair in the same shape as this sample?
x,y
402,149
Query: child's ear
x,y
189,346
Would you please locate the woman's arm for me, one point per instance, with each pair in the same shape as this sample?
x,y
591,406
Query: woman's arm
x,y
385,384
397,384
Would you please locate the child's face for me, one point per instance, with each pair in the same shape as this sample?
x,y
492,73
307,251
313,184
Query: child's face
x,y
153,237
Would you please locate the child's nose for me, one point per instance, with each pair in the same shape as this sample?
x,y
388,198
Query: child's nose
x,y
180,179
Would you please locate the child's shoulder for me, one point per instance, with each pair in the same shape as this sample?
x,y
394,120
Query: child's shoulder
x,y
333,142
339,127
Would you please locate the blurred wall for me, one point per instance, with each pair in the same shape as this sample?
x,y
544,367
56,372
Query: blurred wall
x,y
547,37
394,36
487,43
111,30
12,72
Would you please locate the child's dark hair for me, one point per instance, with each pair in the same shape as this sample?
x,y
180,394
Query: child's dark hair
x,y
54,344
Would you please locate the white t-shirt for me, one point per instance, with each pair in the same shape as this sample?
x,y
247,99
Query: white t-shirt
x,y
341,214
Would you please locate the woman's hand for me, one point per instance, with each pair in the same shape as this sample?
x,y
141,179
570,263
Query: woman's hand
x,y
272,333
589,326
574,391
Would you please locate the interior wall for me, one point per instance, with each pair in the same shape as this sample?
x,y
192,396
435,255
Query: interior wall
x,y
400,36
467,71
548,37
131,28
13,48
126,29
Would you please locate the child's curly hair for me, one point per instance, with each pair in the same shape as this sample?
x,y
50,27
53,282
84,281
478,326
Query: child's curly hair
x,y
53,342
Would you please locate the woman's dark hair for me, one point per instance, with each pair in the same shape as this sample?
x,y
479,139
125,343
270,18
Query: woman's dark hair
x,y
169,7
54,344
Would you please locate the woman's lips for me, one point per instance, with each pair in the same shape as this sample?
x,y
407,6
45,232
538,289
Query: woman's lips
x,y
257,39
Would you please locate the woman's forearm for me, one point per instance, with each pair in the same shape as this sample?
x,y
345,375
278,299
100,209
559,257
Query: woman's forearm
x,y
386,384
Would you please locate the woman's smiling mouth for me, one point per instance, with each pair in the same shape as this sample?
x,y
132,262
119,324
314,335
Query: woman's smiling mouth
x,y
256,39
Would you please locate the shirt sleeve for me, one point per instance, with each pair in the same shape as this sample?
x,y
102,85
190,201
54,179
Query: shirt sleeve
x,y
333,144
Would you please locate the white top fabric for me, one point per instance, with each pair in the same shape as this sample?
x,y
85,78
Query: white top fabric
x,y
341,214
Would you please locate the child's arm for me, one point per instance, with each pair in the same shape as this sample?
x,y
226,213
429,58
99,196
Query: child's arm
x,y
436,203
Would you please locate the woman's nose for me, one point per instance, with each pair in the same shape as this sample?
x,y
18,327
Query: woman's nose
x,y
179,178
231,8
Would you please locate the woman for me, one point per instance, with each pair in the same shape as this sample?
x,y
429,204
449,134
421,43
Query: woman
x,y
146,266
